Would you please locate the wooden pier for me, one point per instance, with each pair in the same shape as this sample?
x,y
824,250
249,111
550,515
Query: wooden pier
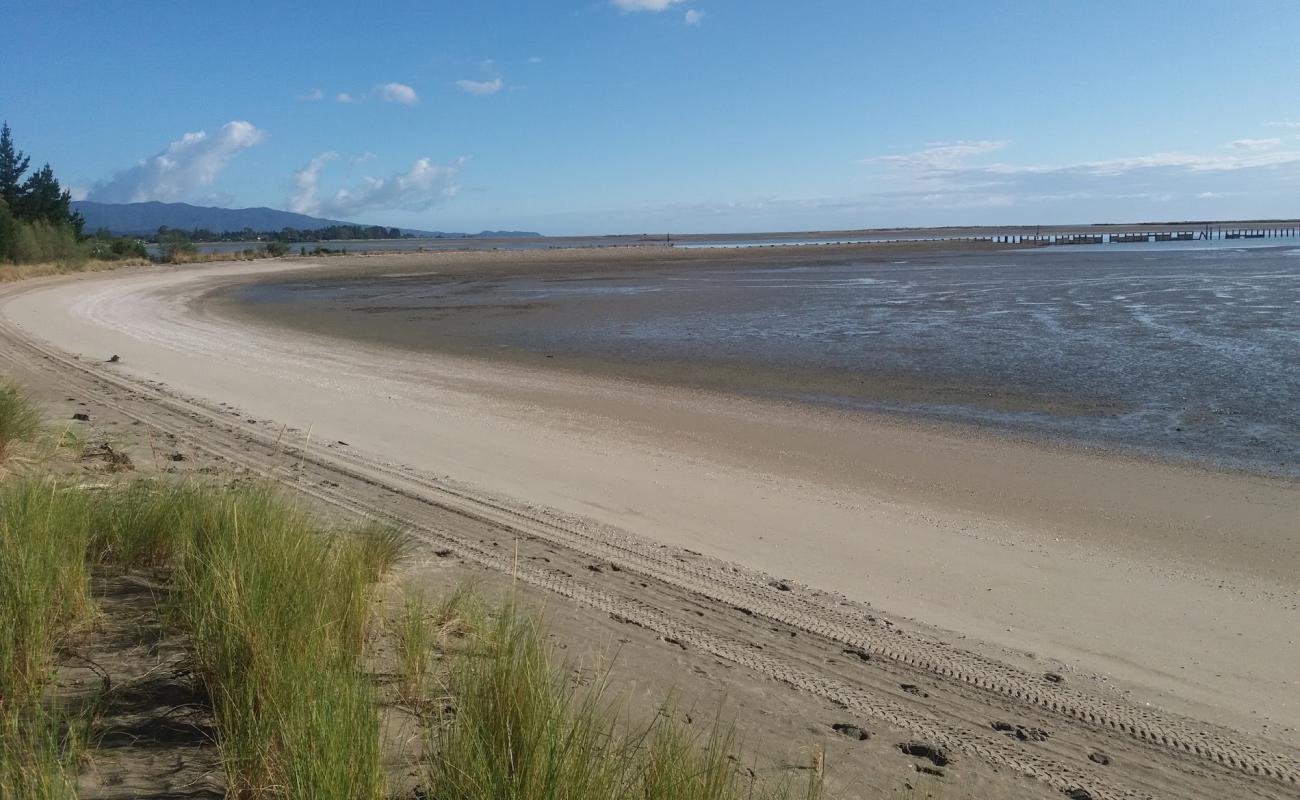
x,y
1208,233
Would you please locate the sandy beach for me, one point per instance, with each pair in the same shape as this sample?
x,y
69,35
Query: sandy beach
x,y
1155,586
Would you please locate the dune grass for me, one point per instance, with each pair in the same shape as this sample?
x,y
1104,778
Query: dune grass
x,y
39,753
279,613
44,531
521,729
413,635
20,420
44,591
276,608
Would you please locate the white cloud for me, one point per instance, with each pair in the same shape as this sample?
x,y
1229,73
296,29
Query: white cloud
x,y
306,181
362,158
1286,123
422,186
481,87
694,17
1255,144
940,154
78,192
388,92
314,94
940,176
186,166
534,59
644,5
397,93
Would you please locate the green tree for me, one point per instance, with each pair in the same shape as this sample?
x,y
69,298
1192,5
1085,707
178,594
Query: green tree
x,y
8,232
13,164
43,198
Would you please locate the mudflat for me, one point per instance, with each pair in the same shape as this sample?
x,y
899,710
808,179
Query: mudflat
x,y
1155,587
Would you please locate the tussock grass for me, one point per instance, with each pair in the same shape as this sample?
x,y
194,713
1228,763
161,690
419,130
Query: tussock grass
x,y
414,632
521,730
20,420
380,547
38,755
44,591
44,531
277,611
147,523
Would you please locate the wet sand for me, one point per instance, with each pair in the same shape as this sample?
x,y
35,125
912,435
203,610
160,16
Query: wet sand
x,y
1179,354
1177,585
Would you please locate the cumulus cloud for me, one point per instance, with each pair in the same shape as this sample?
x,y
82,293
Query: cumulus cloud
x,y
694,17
362,158
644,5
306,181
397,93
344,97
314,94
422,186
1255,144
481,87
187,166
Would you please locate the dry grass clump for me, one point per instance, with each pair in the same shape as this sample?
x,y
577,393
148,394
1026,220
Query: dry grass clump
x,y
22,272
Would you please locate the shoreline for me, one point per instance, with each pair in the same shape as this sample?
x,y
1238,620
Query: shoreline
x,y
813,571
457,325
974,535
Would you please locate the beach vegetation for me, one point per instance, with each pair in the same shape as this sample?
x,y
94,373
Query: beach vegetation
x,y
278,612
521,728
44,593
20,420
37,223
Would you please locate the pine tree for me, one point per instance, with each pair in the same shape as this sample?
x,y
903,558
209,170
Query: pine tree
x,y
43,198
13,163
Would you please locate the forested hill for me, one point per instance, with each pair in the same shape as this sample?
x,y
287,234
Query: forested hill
x,y
146,218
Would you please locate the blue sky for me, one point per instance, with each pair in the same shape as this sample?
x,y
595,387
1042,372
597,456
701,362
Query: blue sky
x,y
668,115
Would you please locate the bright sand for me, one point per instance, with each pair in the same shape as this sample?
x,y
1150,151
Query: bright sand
x,y
1175,583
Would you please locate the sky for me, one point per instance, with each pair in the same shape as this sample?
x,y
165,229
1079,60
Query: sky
x,y
638,116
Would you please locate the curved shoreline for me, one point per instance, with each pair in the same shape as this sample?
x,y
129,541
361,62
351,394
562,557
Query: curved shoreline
x,y
973,534
655,318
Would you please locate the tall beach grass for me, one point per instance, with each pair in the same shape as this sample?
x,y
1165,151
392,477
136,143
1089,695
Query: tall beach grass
x,y
520,729
44,592
20,420
279,613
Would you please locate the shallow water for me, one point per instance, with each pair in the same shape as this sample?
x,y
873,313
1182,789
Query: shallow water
x,y
1186,353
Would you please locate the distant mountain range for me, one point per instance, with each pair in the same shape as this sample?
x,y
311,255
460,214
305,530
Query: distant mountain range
x,y
145,218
